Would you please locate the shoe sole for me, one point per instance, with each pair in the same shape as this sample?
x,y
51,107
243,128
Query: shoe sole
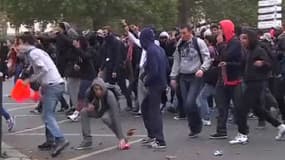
x,y
282,138
241,143
225,137
159,149
193,137
45,149
85,148
73,120
146,144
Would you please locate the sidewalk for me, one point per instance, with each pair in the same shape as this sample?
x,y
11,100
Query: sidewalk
x,y
12,153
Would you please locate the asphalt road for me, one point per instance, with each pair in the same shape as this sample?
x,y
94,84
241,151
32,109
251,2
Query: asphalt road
x,y
29,132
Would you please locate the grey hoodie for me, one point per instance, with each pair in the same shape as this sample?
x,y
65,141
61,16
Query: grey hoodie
x,y
187,61
108,101
71,32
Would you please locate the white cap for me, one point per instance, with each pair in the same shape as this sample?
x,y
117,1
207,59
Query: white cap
x,y
164,34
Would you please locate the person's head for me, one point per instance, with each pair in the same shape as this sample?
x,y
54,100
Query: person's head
x,y
249,39
214,29
211,40
134,29
99,88
26,40
147,37
186,32
227,29
61,27
203,30
107,30
259,34
163,37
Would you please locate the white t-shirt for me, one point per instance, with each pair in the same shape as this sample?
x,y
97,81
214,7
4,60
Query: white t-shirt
x,y
45,71
137,42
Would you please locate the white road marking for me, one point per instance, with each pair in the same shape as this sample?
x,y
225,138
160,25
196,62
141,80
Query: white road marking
x,y
19,103
36,128
20,108
101,151
76,134
28,115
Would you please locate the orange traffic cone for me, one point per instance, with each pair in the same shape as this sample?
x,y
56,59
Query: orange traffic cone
x,y
23,92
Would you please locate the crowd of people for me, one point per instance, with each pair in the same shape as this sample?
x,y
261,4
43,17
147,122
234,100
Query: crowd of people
x,y
237,71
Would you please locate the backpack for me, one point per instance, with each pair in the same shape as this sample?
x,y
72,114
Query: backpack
x,y
196,46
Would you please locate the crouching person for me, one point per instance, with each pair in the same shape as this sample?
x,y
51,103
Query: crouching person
x,y
103,104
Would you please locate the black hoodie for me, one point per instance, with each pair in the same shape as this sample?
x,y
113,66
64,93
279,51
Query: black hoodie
x,y
112,54
255,52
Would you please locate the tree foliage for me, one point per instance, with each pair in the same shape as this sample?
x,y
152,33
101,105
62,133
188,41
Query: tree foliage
x,y
97,12
162,13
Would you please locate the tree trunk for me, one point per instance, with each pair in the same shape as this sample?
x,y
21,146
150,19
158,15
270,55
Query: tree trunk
x,y
183,11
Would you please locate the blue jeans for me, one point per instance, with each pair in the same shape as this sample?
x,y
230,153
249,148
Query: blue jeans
x,y
18,71
51,96
190,89
4,113
202,101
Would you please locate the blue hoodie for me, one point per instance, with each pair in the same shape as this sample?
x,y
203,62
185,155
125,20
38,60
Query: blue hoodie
x,y
156,66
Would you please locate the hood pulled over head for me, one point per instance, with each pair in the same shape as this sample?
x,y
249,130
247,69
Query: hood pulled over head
x,y
228,29
147,37
252,37
100,82
71,32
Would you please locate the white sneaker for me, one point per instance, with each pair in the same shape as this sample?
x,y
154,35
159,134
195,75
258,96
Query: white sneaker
x,y
206,122
281,132
74,117
240,139
11,124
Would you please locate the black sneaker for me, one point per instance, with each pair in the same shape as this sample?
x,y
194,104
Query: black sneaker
x,y
157,146
193,135
47,146
148,141
59,147
84,145
218,136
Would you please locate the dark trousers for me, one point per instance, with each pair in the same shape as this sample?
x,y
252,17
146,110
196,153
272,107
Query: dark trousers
x,y
253,97
121,81
279,93
223,97
151,114
270,101
190,88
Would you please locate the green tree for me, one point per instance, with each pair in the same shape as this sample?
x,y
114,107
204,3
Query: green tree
x,y
92,12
